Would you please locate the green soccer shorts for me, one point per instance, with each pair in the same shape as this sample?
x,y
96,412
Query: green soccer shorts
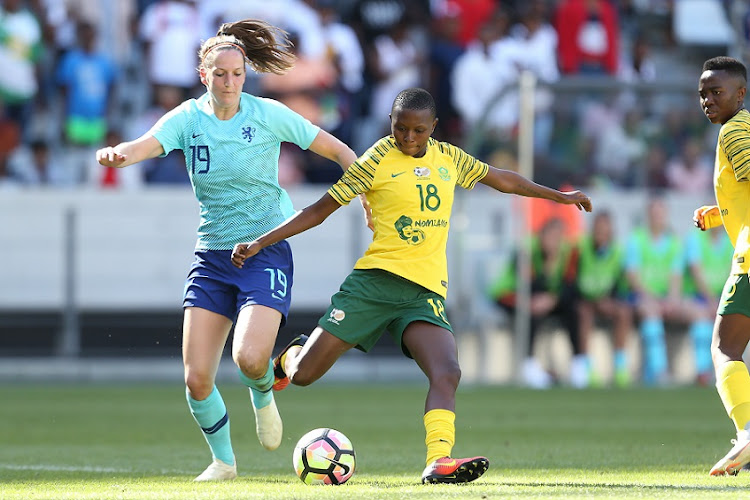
x,y
735,297
371,301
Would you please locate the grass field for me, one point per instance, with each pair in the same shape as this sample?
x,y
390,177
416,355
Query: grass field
x,y
139,442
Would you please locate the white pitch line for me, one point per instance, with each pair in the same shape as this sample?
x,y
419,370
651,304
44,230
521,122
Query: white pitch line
x,y
82,468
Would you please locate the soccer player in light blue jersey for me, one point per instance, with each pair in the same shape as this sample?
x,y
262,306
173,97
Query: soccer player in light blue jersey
x,y
231,142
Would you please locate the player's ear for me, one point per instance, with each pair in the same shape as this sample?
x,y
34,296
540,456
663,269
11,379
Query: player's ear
x,y
434,124
202,73
741,92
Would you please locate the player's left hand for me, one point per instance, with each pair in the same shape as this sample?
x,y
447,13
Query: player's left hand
x,y
579,199
243,251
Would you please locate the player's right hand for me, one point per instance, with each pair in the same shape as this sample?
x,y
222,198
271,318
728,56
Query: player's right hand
x,y
243,251
579,199
109,157
706,217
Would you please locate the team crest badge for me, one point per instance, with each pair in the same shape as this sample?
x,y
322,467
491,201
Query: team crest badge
x,y
422,171
248,133
336,316
444,173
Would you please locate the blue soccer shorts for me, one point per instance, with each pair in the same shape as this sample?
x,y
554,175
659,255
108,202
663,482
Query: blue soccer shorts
x,y
213,283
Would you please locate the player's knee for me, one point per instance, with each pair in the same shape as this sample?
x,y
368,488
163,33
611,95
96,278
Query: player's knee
x,y
447,376
252,365
199,385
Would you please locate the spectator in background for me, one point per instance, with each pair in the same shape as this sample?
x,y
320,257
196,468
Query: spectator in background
x,y
170,31
621,148
20,49
170,169
654,265
707,254
654,175
444,54
601,283
33,164
481,73
536,41
86,77
306,88
396,61
589,37
638,65
10,139
470,16
553,294
343,49
691,171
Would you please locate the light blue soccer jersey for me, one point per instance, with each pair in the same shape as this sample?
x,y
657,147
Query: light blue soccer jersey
x,y
233,164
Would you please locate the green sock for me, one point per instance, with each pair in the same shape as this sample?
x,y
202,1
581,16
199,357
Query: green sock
x,y
261,390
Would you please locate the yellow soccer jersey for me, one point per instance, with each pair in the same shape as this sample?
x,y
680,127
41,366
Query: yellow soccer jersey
x,y
732,186
411,200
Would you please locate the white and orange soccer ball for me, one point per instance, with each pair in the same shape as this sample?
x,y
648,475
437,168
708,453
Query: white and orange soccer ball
x,y
324,456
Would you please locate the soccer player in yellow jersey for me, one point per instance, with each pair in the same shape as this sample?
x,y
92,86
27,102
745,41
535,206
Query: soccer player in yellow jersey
x,y
722,88
401,282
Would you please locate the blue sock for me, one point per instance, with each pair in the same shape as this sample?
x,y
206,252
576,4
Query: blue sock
x,y
655,349
701,332
261,390
213,419
621,360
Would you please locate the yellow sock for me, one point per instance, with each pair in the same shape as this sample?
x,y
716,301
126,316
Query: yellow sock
x,y
441,433
733,384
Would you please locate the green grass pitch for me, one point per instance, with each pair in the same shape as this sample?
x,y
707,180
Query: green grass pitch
x,y
140,442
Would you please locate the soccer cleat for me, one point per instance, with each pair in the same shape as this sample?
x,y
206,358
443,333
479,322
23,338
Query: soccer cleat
x,y
455,470
268,425
218,471
280,380
737,457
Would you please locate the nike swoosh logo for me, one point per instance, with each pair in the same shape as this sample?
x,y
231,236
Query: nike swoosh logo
x,y
196,135
345,468
396,175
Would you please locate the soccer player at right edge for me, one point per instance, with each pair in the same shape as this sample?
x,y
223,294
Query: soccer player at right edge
x,y
722,88
401,282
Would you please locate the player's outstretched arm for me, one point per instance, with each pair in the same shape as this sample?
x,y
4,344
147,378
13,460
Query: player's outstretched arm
x,y
303,220
510,182
328,146
706,217
128,153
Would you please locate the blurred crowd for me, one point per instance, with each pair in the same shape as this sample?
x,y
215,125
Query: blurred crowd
x,y
79,74
651,283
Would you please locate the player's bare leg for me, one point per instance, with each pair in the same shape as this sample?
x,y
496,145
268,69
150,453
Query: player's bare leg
x,y
434,350
254,338
306,364
204,336
730,338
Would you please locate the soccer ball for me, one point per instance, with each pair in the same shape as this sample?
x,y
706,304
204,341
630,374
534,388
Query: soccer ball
x,y
324,456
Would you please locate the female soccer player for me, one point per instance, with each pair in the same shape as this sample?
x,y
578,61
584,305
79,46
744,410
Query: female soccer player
x,y
402,280
231,141
722,88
